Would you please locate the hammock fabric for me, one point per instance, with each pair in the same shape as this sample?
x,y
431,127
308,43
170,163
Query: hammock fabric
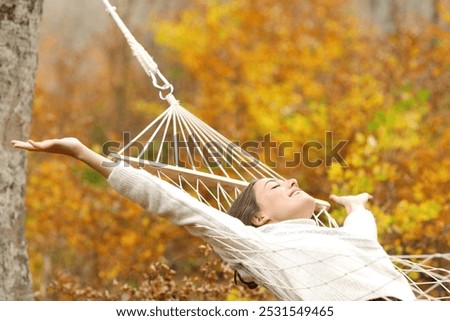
x,y
180,148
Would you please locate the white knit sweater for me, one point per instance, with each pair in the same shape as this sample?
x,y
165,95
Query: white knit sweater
x,y
296,259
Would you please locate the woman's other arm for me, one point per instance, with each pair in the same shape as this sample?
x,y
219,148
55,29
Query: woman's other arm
x,y
359,221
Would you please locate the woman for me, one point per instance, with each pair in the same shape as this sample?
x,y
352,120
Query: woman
x,y
269,236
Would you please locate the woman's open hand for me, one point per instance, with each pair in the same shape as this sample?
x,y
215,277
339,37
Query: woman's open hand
x,y
71,147
352,202
65,146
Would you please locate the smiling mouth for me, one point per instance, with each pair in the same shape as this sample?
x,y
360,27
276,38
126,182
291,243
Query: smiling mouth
x,y
295,193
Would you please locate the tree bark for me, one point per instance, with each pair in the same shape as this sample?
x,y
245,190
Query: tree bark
x,y
19,25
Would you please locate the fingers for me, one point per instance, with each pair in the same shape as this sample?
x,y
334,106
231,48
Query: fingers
x,y
351,202
334,197
337,199
29,145
364,197
14,142
360,196
20,144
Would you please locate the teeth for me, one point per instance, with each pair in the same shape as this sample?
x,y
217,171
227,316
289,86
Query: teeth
x,y
296,193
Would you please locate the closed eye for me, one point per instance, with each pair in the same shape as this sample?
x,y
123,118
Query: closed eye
x,y
274,181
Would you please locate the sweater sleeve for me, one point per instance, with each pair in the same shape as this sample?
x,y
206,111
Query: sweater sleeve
x,y
165,200
362,224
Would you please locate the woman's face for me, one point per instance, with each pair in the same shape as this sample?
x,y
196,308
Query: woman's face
x,y
281,200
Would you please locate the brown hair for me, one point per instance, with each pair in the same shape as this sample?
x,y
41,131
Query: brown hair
x,y
245,205
243,208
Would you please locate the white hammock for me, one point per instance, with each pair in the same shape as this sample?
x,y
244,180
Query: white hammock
x,y
182,149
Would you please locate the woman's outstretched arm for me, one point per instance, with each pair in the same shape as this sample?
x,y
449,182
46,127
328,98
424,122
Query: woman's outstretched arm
x,y
71,147
150,192
227,234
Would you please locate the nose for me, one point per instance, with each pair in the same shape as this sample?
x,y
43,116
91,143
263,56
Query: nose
x,y
290,183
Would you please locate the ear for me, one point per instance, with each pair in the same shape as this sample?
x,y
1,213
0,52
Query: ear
x,y
259,219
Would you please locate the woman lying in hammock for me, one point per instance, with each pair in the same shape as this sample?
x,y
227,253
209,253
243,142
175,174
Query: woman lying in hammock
x,y
269,237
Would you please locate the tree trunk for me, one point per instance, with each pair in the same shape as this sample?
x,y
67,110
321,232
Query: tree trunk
x,y
19,24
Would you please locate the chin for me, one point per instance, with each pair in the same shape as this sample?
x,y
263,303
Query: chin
x,y
310,211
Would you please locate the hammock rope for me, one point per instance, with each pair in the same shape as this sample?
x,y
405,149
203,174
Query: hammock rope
x,y
182,149
143,57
